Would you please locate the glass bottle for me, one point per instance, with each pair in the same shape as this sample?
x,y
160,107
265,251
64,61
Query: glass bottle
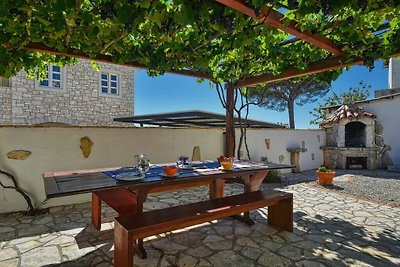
x,y
143,163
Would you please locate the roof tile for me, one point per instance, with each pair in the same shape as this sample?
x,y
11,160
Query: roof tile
x,y
347,111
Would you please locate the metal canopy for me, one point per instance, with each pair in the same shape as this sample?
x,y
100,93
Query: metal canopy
x,y
193,118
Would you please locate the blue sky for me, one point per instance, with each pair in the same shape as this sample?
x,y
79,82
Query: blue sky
x,y
170,93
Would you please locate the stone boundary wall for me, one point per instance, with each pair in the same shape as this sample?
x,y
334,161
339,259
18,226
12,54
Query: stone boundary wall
x,y
79,103
5,105
35,150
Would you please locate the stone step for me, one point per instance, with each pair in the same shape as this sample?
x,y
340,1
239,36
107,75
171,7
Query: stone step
x,y
394,168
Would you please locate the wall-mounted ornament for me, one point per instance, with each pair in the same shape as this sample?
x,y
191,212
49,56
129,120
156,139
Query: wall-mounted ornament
x,y
268,143
86,146
303,144
18,154
281,158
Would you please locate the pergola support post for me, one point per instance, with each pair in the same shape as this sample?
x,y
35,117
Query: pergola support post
x,y
230,126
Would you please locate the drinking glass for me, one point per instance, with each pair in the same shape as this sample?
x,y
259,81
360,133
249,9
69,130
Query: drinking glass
x,y
143,164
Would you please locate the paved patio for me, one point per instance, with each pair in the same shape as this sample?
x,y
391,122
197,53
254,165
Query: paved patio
x,y
330,230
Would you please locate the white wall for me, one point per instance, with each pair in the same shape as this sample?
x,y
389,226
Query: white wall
x,y
387,112
57,149
281,139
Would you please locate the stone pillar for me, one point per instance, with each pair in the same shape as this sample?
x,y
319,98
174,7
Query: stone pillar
x,y
295,157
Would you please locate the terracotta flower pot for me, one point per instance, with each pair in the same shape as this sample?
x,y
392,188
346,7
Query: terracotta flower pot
x,y
325,178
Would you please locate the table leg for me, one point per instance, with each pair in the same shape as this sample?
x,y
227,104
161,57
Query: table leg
x,y
251,183
216,189
141,198
245,218
96,211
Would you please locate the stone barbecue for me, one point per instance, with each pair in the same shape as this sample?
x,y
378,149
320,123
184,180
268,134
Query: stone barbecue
x,y
354,140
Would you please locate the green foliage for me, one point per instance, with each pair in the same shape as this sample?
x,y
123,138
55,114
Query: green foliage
x,y
323,169
283,95
355,94
204,36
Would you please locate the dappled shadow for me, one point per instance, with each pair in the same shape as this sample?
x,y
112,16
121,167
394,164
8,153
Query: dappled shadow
x,y
348,243
31,226
90,237
97,256
332,187
326,239
72,221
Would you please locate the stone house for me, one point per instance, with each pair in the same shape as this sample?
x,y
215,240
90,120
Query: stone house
x,y
76,95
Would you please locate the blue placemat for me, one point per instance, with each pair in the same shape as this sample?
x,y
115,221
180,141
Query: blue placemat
x,y
114,173
211,165
156,170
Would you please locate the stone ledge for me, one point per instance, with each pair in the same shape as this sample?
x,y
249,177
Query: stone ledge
x,y
296,149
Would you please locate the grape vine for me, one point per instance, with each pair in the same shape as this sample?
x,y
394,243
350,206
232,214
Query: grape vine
x,y
194,35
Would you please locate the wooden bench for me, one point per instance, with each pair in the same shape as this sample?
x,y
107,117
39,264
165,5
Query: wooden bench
x,y
125,202
121,200
131,227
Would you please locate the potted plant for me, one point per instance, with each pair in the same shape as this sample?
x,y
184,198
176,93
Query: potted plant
x,y
325,175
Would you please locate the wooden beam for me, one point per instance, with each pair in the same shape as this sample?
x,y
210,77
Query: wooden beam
x,y
274,18
316,67
39,47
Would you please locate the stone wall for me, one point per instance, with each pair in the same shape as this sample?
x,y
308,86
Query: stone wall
x,y
335,157
5,105
78,103
335,134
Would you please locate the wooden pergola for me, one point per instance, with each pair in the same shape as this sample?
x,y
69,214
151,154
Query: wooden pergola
x,y
266,15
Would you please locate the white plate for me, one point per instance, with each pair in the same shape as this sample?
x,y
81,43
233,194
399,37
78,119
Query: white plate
x,y
129,176
242,166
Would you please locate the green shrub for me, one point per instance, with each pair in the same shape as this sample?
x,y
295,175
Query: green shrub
x,y
324,169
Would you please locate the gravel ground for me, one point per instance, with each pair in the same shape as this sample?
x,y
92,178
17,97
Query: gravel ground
x,y
385,190
378,185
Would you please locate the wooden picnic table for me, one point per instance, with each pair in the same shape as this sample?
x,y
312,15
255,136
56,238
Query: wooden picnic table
x,y
67,183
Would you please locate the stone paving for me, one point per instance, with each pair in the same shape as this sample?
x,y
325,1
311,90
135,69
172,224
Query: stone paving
x,y
329,230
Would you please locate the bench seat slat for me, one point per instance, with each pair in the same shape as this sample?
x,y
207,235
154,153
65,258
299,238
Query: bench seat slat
x,y
158,221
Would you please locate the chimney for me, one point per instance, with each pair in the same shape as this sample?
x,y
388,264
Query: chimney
x,y
394,79
394,73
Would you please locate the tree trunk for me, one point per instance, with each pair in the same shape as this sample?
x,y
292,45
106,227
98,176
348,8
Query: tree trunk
x,y
230,126
291,114
16,187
